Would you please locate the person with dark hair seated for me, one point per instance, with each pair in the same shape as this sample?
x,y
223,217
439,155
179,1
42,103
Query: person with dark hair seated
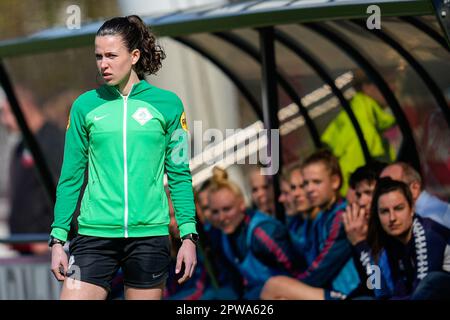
x,y
356,220
426,204
417,249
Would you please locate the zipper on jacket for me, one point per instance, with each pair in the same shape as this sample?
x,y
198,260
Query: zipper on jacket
x,y
125,163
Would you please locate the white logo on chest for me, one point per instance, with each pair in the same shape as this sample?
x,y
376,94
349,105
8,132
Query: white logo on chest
x,y
142,116
97,118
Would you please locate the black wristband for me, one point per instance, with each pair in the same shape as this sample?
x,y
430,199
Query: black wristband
x,y
191,236
52,241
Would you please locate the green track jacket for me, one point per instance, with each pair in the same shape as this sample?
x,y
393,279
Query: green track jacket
x,y
127,142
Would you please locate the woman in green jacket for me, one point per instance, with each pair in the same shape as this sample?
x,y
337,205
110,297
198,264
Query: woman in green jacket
x,y
128,133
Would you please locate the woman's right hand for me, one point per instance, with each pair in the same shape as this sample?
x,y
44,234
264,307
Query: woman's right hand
x,y
355,223
59,262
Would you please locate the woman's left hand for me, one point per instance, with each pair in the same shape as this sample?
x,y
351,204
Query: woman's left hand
x,y
187,255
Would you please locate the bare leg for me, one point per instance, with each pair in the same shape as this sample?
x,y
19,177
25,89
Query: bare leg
x,y
285,288
144,294
79,290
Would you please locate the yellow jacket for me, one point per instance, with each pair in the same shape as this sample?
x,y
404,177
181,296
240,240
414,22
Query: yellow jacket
x,y
341,137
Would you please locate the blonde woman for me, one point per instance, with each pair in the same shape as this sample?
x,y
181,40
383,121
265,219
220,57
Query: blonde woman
x,y
257,245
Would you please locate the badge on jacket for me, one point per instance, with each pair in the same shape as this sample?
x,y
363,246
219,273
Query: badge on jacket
x,y
183,121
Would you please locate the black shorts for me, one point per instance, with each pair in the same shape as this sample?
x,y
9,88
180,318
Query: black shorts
x,y
144,261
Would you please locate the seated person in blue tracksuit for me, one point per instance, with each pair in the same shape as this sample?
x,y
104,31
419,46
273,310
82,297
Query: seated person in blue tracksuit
x,y
226,281
204,283
417,249
330,272
299,223
286,198
257,245
356,220
194,288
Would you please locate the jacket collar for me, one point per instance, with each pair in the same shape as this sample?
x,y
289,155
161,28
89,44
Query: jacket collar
x,y
137,88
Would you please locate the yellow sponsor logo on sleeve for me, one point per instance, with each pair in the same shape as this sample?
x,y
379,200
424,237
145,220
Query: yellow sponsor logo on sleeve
x,y
183,122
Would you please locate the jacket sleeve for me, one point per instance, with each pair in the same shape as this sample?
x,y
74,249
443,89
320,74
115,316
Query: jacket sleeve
x,y
178,171
72,173
334,254
384,119
362,259
272,245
